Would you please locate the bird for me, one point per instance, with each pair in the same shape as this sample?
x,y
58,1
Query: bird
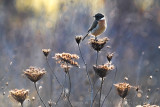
x,y
98,27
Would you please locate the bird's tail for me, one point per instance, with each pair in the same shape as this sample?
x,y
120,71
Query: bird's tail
x,y
85,36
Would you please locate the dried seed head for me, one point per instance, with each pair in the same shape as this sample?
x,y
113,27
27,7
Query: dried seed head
x,y
109,56
147,105
78,39
122,89
148,90
19,95
98,44
125,78
150,77
34,73
46,52
66,58
102,70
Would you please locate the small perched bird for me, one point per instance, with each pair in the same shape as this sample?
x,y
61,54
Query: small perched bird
x,y
98,27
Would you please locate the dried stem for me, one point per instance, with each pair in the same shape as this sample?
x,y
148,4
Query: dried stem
x,y
122,102
90,82
97,59
53,72
95,96
100,92
38,94
61,92
21,104
110,88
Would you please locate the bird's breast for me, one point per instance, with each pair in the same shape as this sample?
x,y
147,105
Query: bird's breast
x,y
100,28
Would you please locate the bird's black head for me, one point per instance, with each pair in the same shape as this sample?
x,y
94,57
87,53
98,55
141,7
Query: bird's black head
x,y
99,16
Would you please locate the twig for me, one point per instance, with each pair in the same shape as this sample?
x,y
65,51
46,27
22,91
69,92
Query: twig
x,y
110,88
61,92
90,82
95,96
38,94
100,92
97,59
122,102
21,104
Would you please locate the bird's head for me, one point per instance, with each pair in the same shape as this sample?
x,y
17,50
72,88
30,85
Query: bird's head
x,y
99,16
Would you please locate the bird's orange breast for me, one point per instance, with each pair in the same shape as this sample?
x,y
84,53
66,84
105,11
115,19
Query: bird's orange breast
x,y
101,27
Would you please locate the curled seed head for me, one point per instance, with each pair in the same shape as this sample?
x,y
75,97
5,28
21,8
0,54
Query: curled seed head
x,y
46,52
122,89
102,70
19,95
109,56
78,39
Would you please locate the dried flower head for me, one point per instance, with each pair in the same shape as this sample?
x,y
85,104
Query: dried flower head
x,y
65,67
102,70
50,103
46,52
122,89
19,95
78,39
66,58
34,73
109,56
147,105
98,44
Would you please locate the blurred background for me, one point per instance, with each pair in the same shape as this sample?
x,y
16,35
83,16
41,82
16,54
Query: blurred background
x,y
28,26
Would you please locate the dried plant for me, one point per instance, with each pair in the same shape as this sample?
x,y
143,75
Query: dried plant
x,y
78,39
102,70
98,44
46,52
122,89
19,95
109,56
66,58
34,73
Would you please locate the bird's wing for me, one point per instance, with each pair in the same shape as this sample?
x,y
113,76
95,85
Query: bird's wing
x,y
93,26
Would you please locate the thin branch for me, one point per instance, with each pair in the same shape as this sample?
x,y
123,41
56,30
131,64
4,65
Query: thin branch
x,y
90,82
97,59
69,88
100,92
38,94
22,104
110,88
122,102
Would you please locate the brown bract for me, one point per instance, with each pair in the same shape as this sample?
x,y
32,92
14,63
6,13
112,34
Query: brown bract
x,y
19,95
78,39
46,52
98,44
122,89
66,58
34,73
102,70
109,56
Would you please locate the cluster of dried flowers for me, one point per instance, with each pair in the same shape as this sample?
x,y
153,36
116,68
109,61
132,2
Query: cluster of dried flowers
x,y
102,70
34,73
66,58
19,95
122,89
98,44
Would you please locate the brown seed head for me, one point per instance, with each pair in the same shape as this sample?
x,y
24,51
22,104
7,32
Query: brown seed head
x,y
102,70
65,67
78,39
46,52
66,58
19,95
122,89
50,103
34,73
109,56
98,44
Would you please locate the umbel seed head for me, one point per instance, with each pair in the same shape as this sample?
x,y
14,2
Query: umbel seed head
x,y
34,73
78,39
122,89
102,70
98,44
46,52
19,95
